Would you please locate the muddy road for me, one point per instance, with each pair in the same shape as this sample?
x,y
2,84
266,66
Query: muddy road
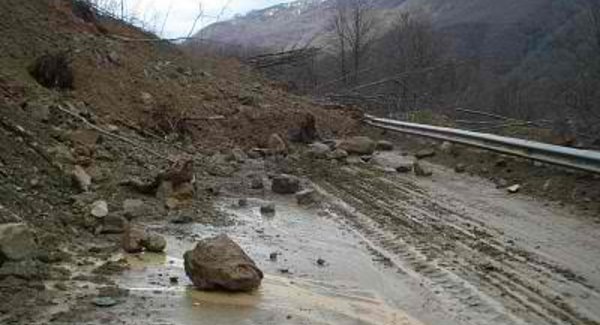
x,y
398,249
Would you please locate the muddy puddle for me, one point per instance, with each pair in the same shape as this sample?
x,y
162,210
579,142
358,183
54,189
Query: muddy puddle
x,y
350,288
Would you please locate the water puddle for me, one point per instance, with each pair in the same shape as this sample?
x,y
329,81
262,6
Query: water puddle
x,y
348,289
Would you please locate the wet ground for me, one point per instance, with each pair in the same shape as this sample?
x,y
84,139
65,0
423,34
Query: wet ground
x,y
450,249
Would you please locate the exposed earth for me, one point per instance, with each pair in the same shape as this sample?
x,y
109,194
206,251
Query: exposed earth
x,y
150,147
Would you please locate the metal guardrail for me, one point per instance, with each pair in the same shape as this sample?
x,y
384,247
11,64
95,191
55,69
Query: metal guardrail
x,y
586,160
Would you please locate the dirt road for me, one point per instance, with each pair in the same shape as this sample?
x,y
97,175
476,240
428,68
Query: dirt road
x,y
450,249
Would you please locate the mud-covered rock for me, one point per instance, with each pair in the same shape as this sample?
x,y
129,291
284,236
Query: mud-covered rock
x,y
460,168
391,160
218,263
132,239
358,145
17,242
154,243
285,184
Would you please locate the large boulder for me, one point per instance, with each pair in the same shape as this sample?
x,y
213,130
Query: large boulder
x,y
218,263
133,238
17,242
358,145
285,184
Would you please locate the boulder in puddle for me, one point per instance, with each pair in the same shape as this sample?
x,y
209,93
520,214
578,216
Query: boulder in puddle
x,y
219,263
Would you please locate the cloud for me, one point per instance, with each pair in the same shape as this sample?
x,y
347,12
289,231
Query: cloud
x,y
182,13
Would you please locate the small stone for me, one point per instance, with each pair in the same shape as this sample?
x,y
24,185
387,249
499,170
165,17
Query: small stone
x,y
307,197
273,257
81,179
105,302
337,154
318,150
61,286
242,203
514,189
421,171
182,219
174,280
446,147
320,262
256,182
383,145
267,209
132,239
501,163
425,153
460,168
99,209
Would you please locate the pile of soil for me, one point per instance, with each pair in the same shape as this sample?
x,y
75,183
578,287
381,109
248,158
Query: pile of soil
x,y
131,109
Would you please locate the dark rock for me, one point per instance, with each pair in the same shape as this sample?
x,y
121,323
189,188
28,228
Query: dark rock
x,y
320,262
384,146
53,71
285,184
182,219
273,256
267,209
218,263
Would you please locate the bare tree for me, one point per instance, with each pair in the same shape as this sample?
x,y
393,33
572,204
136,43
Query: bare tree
x,y
354,27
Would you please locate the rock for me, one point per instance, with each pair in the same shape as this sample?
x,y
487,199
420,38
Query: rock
x,y
114,224
405,168
501,183
17,242
53,71
239,155
218,263
99,209
267,209
154,243
255,154
425,153
273,256
147,98
242,203
501,163
421,171
383,145
460,168
25,269
276,145
134,208
321,262
256,182
547,185
104,302
307,197
81,179
358,145
337,154
306,132
318,150
514,189
366,158
354,160
182,219
39,112
174,280
132,239
447,147
285,184
391,160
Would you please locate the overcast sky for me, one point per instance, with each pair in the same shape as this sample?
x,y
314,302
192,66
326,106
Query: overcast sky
x,y
183,12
